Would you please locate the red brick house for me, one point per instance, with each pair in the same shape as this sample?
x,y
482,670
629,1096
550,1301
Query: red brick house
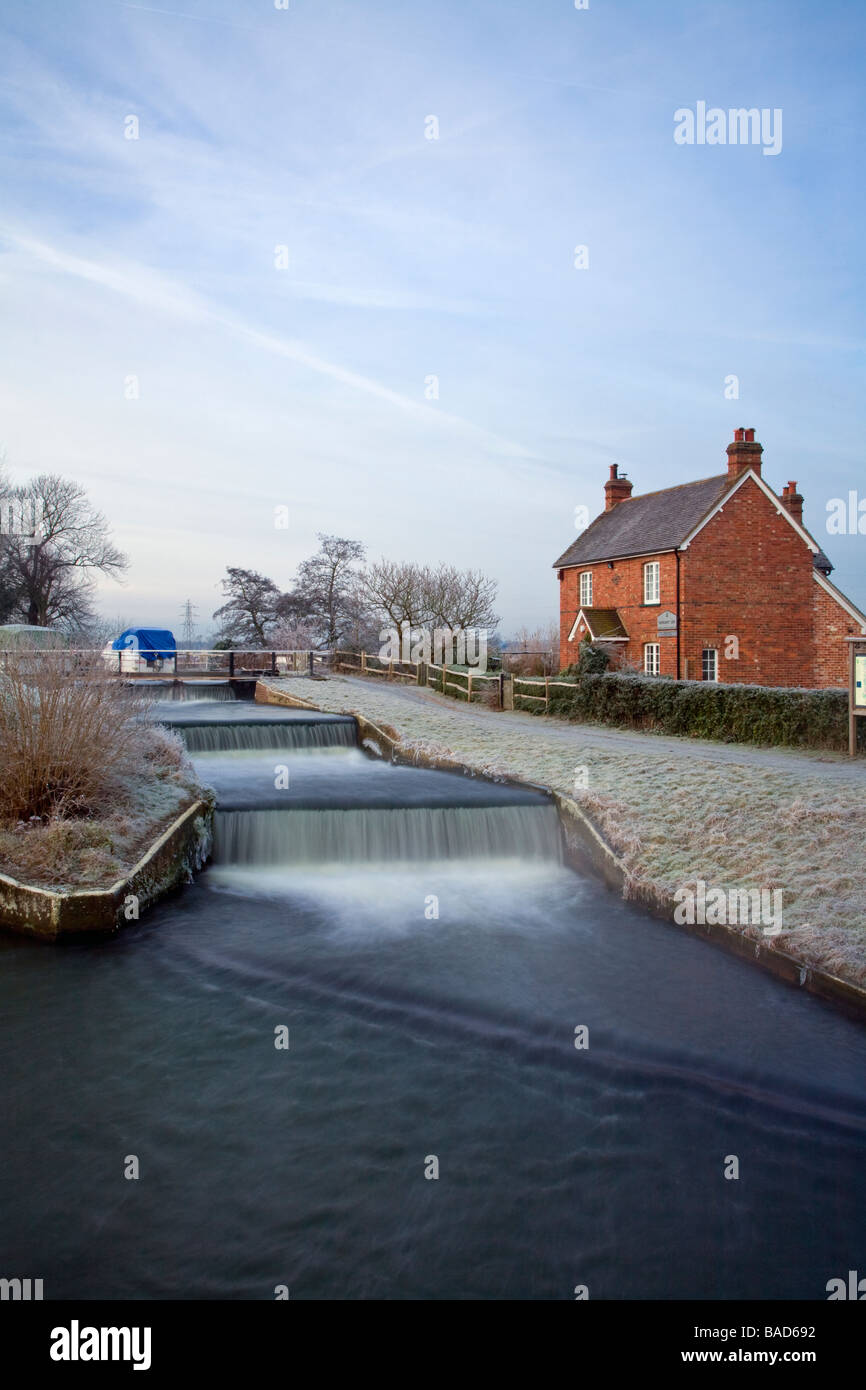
x,y
712,580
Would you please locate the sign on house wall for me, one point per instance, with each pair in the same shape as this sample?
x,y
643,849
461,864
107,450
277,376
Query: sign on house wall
x,y
667,624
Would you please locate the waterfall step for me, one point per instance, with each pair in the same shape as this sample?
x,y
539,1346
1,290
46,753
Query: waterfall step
x,y
383,837
219,728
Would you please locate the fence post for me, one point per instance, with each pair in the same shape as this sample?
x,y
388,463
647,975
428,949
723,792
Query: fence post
x,y
231,664
546,697
273,663
311,661
502,690
469,694
444,674
363,663
120,663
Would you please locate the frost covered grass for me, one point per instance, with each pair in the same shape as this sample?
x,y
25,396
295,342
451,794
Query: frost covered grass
x,y
733,820
86,783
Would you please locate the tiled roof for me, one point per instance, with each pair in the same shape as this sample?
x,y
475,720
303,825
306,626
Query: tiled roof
x,y
646,525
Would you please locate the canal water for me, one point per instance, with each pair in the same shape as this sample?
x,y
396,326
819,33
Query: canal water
x,y
431,957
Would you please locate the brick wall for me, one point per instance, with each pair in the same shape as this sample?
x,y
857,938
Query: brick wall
x,y
831,625
748,575
622,588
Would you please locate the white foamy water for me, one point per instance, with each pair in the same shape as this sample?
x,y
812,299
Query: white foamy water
x,y
387,900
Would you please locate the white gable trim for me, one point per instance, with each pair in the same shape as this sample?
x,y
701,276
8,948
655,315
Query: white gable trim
x,y
582,618
769,494
840,598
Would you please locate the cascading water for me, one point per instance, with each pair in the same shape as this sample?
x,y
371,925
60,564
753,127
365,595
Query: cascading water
x,y
402,835
186,691
433,962
254,727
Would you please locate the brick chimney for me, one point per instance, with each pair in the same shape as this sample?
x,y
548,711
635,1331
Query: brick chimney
x,y
616,489
793,500
744,453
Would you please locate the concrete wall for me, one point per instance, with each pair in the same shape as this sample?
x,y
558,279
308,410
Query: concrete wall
x,y
170,862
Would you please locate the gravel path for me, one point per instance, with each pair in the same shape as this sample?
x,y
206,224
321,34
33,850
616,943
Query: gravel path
x,y
675,810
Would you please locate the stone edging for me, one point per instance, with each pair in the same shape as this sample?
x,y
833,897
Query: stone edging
x,y
171,861
586,848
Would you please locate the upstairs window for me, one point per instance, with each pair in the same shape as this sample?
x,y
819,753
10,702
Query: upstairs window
x,y
709,664
586,589
651,582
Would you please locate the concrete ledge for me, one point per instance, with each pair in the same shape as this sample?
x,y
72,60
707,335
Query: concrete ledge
x,y
587,850
177,854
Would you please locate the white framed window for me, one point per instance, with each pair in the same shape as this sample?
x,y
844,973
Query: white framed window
x,y
709,664
651,582
651,661
586,589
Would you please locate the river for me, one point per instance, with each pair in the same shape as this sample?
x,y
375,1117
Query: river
x,y
431,957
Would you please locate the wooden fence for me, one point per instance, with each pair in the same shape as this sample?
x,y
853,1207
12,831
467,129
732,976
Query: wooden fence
x,y
542,684
468,683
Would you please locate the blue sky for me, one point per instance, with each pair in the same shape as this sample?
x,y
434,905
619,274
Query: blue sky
x,y
409,258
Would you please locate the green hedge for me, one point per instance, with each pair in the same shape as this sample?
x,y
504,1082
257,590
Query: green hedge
x,y
703,709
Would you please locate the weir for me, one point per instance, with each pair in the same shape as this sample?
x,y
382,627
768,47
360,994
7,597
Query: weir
x,y
186,690
401,835
223,729
293,788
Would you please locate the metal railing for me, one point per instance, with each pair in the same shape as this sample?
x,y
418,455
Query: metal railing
x,y
237,664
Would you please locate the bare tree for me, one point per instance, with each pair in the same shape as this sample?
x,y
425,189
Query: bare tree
x,y
295,635
328,582
53,572
251,610
398,591
461,599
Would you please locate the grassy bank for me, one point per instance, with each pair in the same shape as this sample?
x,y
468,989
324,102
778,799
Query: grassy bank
x,y
733,818
87,784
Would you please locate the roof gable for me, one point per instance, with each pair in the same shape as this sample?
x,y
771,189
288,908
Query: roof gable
x,y
771,497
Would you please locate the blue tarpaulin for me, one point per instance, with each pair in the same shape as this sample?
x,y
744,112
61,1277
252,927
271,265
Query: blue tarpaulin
x,y
153,643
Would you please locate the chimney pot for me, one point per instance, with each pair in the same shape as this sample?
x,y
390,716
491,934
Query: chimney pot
x,y
616,489
792,501
744,453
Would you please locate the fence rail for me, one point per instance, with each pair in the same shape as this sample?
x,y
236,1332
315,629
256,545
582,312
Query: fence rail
x,y
445,678
545,681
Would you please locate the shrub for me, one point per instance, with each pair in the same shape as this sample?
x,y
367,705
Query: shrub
x,y
703,709
67,730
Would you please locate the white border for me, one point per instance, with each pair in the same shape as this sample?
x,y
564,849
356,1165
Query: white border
x,y
840,598
769,493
